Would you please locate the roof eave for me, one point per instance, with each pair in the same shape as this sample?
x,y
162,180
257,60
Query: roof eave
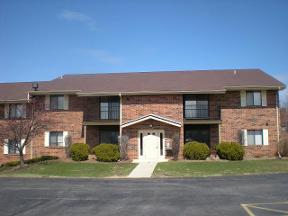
x,y
82,94
53,92
255,87
14,101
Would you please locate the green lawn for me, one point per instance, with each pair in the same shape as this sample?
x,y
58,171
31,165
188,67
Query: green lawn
x,y
71,169
218,168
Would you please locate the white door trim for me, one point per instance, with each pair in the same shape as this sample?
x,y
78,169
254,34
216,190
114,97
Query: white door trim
x,y
142,157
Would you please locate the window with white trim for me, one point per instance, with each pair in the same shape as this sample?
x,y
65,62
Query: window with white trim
x,y
56,138
255,137
17,111
110,108
13,147
57,102
253,98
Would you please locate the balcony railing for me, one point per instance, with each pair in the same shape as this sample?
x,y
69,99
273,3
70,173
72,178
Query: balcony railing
x,y
204,112
102,115
110,115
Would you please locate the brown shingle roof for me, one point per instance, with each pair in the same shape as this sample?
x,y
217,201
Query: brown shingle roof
x,y
14,91
141,82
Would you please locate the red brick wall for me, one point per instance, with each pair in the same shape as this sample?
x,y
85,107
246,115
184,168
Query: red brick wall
x,y
92,135
69,120
170,106
2,111
132,133
133,107
88,105
214,135
235,118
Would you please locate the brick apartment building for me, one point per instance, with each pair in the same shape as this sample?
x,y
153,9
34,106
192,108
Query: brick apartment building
x,y
152,109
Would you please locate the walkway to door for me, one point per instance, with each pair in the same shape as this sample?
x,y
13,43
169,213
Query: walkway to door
x,y
143,170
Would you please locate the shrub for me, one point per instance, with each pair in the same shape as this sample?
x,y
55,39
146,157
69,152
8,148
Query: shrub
x,y
12,163
196,151
30,161
79,151
283,147
39,159
107,152
230,151
48,157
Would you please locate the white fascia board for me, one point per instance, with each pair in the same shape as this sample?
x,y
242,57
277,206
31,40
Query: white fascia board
x,y
153,117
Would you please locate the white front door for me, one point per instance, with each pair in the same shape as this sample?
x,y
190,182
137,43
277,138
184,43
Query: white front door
x,y
151,145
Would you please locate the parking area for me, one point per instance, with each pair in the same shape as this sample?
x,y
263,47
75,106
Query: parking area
x,y
233,195
269,209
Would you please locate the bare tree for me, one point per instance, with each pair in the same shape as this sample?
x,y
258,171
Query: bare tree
x,y
21,130
68,142
175,146
123,141
283,144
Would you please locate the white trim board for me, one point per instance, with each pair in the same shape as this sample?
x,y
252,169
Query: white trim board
x,y
152,117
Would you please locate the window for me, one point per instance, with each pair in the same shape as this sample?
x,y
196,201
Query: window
x,y
109,108
56,138
57,102
17,111
196,106
255,137
141,144
104,110
200,133
253,98
109,136
12,147
161,144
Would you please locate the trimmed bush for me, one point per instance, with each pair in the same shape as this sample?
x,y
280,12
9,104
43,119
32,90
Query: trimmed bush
x,y
196,151
12,163
39,159
30,161
79,151
230,151
107,152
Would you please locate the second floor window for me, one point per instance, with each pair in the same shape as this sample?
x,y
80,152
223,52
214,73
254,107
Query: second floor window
x,y
56,138
109,108
196,106
253,98
57,102
17,111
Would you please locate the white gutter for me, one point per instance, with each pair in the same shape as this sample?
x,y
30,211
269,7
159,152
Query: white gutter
x,y
150,93
277,122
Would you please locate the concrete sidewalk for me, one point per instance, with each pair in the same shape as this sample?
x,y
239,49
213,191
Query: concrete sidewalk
x,y
143,170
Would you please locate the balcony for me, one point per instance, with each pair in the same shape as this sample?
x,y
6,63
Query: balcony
x,y
110,115
102,111
202,112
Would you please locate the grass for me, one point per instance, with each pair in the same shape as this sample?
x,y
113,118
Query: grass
x,y
219,168
70,169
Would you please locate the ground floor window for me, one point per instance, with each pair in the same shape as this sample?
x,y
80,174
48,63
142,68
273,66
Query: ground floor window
x,y
141,144
109,136
200,133
255,137
56,138
12,147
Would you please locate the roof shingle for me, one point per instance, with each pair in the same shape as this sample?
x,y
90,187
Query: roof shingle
x,y
145,82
